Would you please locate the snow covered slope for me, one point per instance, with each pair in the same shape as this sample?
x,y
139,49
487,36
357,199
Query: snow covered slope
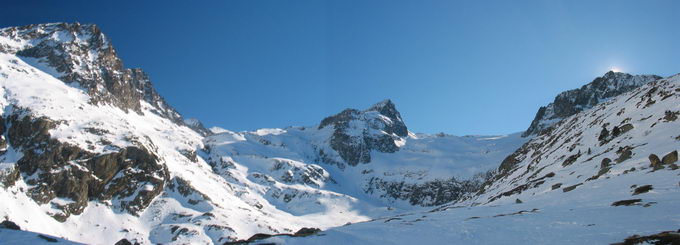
x,y
90,152
598,177
369,155
573,101
78,162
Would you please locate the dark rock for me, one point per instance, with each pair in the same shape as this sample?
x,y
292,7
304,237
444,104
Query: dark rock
x,y
626,202
9,225
189,154
571,159
654,160
669,158
662,238
518,201
306,232
259,236
605,163
625,128
625,153
642,189
185,189
511,161
571,188
125,242
556,186
46,238
604,136
671,116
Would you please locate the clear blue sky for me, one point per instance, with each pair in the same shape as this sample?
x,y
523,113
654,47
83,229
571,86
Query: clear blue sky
x,y
461,67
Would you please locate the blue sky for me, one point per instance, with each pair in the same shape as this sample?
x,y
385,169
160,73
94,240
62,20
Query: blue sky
x,y
460,67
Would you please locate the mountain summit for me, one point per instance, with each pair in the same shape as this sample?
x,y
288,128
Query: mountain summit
x,y
357,133
570,102
82,56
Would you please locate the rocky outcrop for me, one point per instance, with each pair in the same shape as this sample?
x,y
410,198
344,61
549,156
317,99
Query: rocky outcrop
x,y
356,133
429,193
574,101
131,176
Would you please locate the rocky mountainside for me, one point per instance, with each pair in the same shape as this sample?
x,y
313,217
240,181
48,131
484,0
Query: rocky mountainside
x,y
90,152
365,154
83,57
606,175
574,101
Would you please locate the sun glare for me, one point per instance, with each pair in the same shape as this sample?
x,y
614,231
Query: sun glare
x,y
615,69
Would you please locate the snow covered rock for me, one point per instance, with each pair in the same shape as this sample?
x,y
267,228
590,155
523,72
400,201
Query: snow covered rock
x,y
570,102
357,133
593,148
365,154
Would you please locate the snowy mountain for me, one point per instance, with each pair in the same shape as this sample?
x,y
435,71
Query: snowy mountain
x,y
574,101
366,154
605,175
91,153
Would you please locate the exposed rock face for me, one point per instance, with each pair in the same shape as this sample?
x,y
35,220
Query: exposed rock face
x,y
83,56
54,169
573,101
430,193
357,133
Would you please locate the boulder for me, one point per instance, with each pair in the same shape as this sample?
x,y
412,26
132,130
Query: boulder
x,y
654,161
670,158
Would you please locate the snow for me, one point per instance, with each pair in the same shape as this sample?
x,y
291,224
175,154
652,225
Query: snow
x,y
547,215
26,237
273,180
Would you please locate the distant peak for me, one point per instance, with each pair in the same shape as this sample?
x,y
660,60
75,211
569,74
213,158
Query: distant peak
x,y
615,74
386,108
382,104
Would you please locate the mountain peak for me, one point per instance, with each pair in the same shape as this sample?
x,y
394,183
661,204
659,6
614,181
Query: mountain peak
x,y
385,104
570,102
386,108
356,133
82,55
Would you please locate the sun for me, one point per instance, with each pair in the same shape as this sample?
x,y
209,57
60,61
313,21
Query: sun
x,y
615,69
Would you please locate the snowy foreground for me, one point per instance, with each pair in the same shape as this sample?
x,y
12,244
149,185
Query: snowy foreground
x,y
582,216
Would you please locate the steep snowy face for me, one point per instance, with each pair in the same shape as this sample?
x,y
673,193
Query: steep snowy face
x,y
573,101
82,56
357,133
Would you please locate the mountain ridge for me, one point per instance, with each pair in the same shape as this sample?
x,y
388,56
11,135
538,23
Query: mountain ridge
x,y
572,101
77,161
